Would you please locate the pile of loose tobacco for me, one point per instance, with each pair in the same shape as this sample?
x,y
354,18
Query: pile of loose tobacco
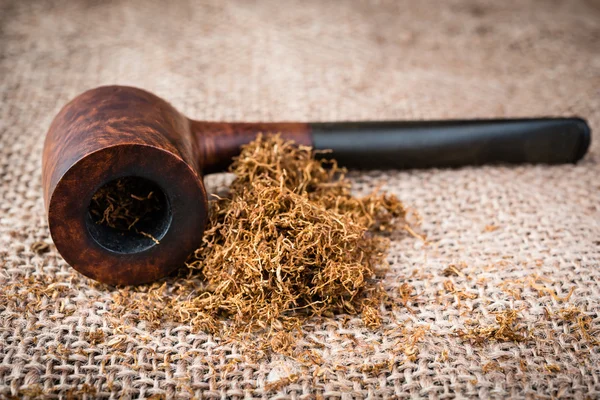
x,y
289,241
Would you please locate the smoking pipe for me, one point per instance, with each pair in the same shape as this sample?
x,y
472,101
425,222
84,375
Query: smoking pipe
x,y
114,131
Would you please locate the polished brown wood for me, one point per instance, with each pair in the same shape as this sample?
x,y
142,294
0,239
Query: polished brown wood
x,y
113,132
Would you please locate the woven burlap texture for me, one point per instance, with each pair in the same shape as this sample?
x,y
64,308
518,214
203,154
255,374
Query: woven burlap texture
x,y
521,237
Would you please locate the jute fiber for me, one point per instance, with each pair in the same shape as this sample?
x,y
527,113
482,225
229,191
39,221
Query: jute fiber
x,y
524,238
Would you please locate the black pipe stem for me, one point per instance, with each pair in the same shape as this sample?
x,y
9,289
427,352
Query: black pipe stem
x,y
454,143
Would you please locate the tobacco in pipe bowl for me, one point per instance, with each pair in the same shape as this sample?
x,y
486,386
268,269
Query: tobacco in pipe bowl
x,y
115,132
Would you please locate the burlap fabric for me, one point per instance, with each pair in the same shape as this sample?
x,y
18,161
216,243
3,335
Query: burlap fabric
x,y
521,237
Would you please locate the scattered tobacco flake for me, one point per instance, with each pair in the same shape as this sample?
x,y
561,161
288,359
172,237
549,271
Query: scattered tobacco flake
x,y
283,342
492,366
454,269
35,293
582,323
376,369
96,336
552,368
182,301
281,383
506,329
40,247
410,343
536,282
491,228
406,296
